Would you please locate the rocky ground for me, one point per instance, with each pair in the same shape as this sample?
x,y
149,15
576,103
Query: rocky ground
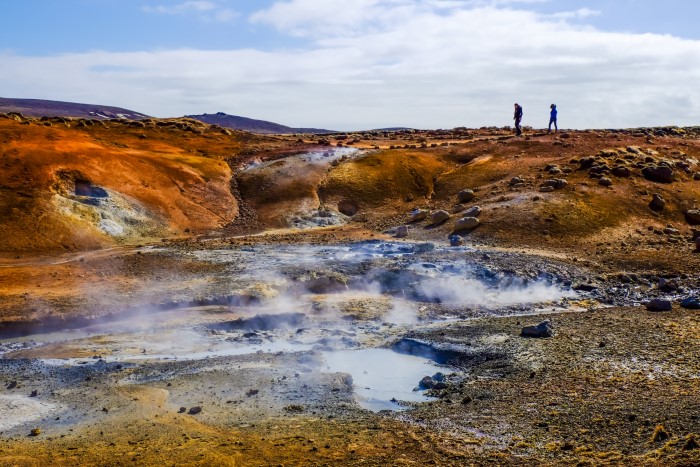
x,y
607,219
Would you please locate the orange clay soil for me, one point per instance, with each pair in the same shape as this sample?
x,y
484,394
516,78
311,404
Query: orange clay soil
x,y
579,398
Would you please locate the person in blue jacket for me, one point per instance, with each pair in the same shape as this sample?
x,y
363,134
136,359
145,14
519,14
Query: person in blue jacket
x,y
518,117
553,118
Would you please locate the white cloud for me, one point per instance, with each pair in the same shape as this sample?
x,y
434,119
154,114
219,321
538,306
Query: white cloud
x,y
580,13
206,10
372,63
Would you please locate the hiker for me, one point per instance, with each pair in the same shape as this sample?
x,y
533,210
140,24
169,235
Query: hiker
x,y
518,116
553,118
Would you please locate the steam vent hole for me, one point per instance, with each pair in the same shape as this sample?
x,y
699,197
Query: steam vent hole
x,y
348,207
85,188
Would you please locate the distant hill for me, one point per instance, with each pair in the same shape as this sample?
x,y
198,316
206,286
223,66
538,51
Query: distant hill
x,y
41,108
235,122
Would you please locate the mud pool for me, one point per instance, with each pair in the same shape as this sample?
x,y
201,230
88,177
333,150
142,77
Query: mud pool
x,y
334,318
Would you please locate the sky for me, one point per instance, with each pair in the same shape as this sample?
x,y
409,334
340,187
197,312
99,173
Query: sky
x,y
363,64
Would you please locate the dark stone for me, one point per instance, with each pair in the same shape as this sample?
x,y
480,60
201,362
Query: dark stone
x,y
556,183
194,410
544,329
456,240
692,216
691,303
465,196
659,304
605,181
657,203
426,383
659,174
621,171
586,162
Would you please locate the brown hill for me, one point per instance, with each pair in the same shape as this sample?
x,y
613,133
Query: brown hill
x,y
88,184
47,108
85,185
236,122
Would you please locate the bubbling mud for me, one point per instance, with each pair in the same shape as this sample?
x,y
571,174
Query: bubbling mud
x,y
343,306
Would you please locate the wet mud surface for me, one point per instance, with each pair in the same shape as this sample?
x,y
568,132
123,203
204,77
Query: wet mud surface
x,y
416,340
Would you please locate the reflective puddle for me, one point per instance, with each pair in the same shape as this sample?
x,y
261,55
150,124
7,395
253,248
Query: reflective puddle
x,y
382,378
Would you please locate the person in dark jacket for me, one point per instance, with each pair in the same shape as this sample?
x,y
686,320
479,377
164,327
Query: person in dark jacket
x,y
553,118
518,116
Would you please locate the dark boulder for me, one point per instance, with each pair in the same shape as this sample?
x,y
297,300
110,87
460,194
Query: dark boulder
x,y
543,329
692,216
659,174
659,304
465,196
691,303
657,203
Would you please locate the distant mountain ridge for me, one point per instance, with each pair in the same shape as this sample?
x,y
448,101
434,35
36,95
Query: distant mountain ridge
x,y
236,122
47,108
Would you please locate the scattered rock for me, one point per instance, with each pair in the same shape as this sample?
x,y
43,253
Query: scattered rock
x,y
659,174
465,196
34,393
671,231
438,217
586,162
621,171
426,383
543,329
556,183
659,304
456,240
697,244
35,432
605,181
418,215
546,189
402,231
182,410
516,181
692,216
474,211
657,203
12,385
466,223
691,303
667,285
252,392
194,410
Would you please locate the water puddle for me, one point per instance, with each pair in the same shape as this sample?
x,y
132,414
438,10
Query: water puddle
x,y
382,378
